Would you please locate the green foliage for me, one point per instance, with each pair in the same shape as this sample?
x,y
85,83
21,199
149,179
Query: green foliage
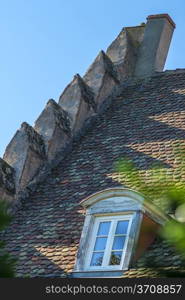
x,y
7,263
4,217
174,232
161,186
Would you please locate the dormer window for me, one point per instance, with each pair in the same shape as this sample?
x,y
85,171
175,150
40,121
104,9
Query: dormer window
x,y
114,232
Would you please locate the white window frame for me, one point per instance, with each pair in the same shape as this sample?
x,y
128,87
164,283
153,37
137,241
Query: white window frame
x,y
107,252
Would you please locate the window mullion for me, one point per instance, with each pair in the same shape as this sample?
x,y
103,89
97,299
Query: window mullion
x,y
109,243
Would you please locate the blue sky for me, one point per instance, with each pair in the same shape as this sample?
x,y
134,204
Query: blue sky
x,y
45,42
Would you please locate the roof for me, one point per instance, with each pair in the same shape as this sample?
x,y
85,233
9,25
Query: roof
x,y
144,123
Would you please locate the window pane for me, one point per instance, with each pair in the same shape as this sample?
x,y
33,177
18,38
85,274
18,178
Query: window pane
x,y
118,242
122,227
104,228
100,243
115,258
97,259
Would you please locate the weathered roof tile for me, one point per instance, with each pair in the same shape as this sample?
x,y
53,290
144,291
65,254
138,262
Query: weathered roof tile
x,y
142,124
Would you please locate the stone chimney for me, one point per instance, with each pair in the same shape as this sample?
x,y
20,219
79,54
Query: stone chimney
x,y
154,47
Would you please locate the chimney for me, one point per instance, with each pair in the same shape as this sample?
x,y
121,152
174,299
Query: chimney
x,y
154,47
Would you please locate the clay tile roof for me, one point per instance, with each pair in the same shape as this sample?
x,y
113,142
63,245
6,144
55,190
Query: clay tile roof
x,y
143,123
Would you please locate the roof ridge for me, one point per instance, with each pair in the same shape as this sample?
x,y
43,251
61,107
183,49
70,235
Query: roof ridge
x,y
108,76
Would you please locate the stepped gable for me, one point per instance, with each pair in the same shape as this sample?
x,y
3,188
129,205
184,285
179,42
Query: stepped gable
x,y
26,154
123,50
144,123
78,100
101,77
54,126
7,184
137,51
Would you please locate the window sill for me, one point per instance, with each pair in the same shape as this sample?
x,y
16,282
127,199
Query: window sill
x,y
97,274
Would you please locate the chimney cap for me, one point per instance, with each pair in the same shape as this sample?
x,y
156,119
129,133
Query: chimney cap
x,y
161,16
